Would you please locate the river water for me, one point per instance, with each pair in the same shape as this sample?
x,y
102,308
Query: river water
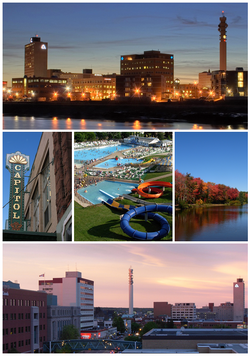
x,y
222,223
60,123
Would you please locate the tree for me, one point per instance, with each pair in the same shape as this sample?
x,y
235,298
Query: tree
x,y
135,327
149,326
79,136
241,198
70,332
119,324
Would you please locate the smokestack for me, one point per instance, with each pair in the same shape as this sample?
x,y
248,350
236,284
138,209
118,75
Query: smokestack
x,y
223,42
130,283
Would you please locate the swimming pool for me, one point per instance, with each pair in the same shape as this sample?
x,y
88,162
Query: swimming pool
x,y
98,152
114,163
109,189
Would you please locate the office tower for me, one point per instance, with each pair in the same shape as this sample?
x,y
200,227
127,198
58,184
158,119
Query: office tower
x,y
73,290
239,299
223,42
130,282
36,58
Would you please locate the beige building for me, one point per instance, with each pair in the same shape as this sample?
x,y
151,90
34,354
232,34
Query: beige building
x,y
48,199
39,199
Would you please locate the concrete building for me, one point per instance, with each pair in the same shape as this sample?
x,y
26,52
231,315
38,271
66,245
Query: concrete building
x,y
24,320
92,86
36,58
239,300
162,309
149,70
205,80
60,316
224,311
39,88
184,311
75,291
49,199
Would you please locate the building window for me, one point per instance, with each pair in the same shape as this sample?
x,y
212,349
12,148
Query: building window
x,y
46,192
36,198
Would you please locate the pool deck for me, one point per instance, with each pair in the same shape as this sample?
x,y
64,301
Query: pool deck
x,y
80,168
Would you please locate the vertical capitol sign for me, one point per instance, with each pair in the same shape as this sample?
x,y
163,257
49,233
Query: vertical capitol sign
x,y
17,164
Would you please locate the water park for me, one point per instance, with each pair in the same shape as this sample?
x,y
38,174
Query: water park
x,y
123,190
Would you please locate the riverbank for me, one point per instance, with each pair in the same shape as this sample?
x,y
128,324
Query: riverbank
x,y
231,112
191,206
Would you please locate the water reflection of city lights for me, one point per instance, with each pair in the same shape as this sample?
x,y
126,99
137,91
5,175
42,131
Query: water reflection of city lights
x,y
69,123
55,123
196,127
99,124
137,125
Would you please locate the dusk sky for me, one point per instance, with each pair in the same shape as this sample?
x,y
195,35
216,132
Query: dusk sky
x,y
95,35
200,273
217,157
25,142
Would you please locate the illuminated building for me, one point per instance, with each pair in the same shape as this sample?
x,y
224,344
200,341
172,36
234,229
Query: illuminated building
x,y
73,290
153,71
204,83
48,204
36,58
24,320
239,300
186,91
93,86
232,83
39,88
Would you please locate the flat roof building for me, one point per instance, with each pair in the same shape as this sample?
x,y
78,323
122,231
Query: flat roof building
x,y
190,338
152,73
73,290
36,58
24,320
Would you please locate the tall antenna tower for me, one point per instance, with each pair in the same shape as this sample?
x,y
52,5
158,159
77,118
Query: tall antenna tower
x,y
223,42
130,283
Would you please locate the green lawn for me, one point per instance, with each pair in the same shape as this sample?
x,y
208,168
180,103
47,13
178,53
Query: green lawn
x,y
100,223
157,176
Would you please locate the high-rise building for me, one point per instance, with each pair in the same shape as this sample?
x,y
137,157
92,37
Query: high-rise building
x,y
150,74
223,42
130,282
73,290
36,58
239,299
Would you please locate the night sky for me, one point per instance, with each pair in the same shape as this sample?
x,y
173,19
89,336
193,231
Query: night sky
x,y
95,35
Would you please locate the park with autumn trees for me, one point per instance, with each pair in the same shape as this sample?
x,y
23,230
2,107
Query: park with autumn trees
x,y
190,190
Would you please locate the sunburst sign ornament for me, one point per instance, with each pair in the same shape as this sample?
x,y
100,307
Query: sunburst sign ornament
x,y
18,159
17,164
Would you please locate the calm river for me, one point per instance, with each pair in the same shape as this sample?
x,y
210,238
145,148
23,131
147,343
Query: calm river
x,y
67,123
220,223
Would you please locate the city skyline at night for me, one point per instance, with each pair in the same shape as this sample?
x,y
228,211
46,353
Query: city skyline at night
x,y
161,272
95,35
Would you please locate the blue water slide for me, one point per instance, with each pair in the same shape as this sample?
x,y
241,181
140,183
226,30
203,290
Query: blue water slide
x,y
142,210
